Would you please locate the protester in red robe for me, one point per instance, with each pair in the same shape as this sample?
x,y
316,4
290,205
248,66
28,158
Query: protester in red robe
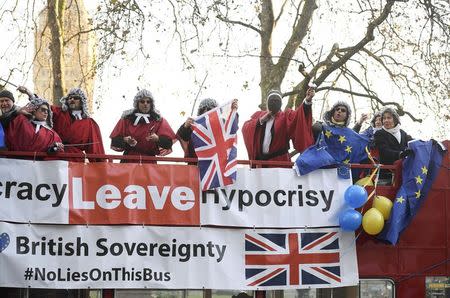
x,y
31,130
79,132
142,130
73,123
267,133
184,133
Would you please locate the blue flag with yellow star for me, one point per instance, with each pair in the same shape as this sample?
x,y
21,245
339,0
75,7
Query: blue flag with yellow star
x,y
335,146
2,137
418,174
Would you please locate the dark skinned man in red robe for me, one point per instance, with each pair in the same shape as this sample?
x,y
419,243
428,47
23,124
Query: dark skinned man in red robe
x,y
267,133
142,130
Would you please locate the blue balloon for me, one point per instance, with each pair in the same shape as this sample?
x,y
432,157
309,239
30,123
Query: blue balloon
x,y
355,196
350,220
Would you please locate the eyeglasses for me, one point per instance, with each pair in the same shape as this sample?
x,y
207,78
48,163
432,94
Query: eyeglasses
x,y
343,110
144,101
43,110
75,97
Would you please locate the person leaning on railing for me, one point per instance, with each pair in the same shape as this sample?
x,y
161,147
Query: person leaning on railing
x,y
31,130
79,132
267,133
142,130
391,140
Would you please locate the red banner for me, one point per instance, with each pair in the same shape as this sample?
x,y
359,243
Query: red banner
x,y
108,193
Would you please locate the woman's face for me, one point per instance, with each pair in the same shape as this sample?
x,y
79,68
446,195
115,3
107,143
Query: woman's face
x,y
378,122
41,113
388,121
144,105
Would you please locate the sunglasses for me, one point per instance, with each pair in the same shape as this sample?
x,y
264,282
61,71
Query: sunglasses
x,y
75,97
343,110
144,101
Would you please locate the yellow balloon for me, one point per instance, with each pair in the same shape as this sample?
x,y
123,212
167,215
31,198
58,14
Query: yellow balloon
x,y
373,221
366,181
384,205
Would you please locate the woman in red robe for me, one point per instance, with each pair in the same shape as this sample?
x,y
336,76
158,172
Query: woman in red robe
x,y
32,130
267,133
142,130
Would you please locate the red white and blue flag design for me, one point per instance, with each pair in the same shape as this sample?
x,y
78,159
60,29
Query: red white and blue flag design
x,y
214,139
292,258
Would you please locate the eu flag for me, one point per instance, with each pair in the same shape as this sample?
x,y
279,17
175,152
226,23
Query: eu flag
x,y
336,145
2,137
419,172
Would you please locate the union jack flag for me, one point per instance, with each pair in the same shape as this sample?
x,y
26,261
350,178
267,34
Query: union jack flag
x,y
214,139
292,259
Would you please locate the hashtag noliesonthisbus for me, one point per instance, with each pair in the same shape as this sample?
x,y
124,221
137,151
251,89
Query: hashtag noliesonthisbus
x,y
184,251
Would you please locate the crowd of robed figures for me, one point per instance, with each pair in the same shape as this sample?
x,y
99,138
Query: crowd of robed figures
x,y
141,130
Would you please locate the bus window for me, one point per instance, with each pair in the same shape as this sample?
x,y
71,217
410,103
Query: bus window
x,y
376,288
149,293
437,286
342,292
368,288
49,293
231,294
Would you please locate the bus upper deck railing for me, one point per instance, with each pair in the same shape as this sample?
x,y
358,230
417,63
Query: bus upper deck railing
x,y
144,158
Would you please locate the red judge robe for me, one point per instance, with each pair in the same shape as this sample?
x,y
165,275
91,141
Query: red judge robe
x,y
288,125
125,127
72,131
22,136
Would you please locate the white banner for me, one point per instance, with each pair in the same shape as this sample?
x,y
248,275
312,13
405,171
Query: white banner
x,y
45,256
106,193
34,191
276,197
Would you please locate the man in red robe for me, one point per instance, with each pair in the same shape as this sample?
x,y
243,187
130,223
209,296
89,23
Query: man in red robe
x,y
142,130
78,131
267,133
31,130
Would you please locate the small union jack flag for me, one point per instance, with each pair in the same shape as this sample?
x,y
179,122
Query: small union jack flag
x,y
214,139
292,259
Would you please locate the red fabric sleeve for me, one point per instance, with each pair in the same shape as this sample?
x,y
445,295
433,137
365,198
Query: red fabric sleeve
x,y
299,126
164,129
96,139
252,135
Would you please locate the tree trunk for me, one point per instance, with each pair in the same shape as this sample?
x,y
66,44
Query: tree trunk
x,y
56,23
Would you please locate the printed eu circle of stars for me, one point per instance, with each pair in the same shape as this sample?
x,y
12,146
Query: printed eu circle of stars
x,y
341,139
419,183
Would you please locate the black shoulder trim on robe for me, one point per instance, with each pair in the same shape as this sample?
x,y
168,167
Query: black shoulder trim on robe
x,y
118,142
165,142
184,133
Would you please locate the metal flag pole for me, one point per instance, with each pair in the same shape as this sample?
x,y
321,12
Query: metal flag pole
x,y
198,93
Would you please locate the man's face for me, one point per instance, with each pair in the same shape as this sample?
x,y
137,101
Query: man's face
x,y
340,114
6,104
274,104
144,105
74,102
41,113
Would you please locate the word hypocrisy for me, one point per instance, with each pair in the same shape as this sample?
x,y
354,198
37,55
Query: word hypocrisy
x,y
181,251
282,197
